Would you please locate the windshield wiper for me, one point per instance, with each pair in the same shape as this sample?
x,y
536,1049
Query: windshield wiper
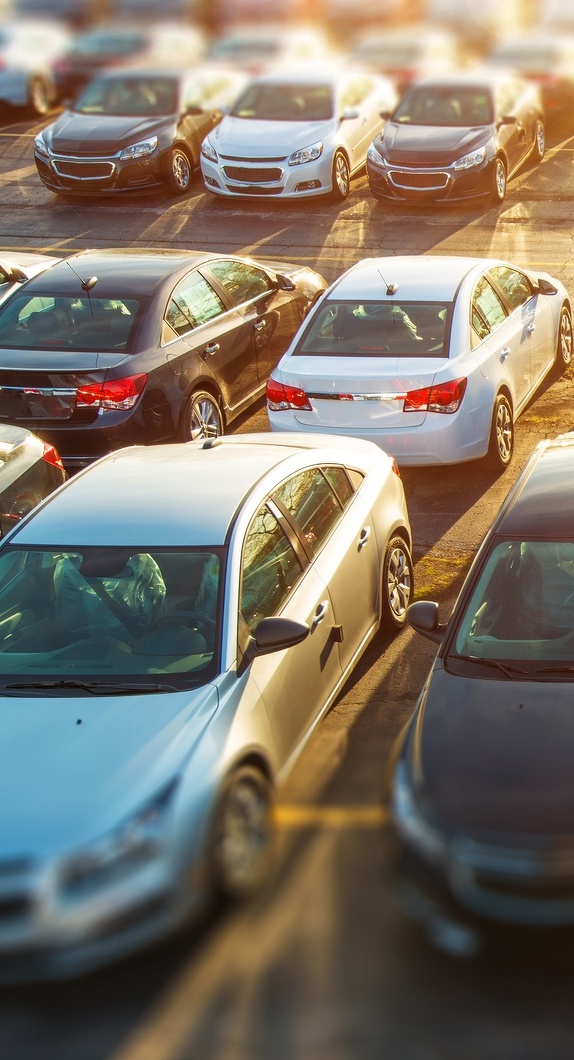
x,y
96,688
565,669
509,671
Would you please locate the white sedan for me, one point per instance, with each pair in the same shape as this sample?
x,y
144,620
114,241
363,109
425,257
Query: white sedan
x,y
433,358
296,134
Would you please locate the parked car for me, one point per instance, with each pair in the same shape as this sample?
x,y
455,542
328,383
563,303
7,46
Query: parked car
x,y
116,347
408,54
479,786
30,470
134,130
18,266
188,649
546,59
28,50
103,47
259,47
457,138
431,357
295,134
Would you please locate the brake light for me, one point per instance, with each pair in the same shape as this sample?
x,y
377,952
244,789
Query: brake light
x,y
445,398
281,397
395,467
52,456
114,394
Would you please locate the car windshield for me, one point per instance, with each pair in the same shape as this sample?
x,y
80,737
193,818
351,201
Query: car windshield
x,y
377,329
285,101
65,322
521,611
106,43
145,96
445,105
98,614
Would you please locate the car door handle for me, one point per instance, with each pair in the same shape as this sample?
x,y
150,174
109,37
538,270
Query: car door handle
x,y
320,613
530,328
505,351
260,325
212,348
364,536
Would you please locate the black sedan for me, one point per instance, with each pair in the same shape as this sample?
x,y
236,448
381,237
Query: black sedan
x,y
480,789
134,130
30,470
457,138
121,347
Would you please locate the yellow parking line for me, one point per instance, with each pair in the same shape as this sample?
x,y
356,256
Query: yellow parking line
x,y
293,817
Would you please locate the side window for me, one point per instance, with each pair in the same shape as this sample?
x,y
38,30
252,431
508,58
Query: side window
x,y
241,280
270,569
514,285
312,503
193,302
487,311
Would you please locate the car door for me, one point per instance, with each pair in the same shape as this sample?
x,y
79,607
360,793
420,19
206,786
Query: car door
x,y
204,337
534,313
271,314
278,578
502,342
339,530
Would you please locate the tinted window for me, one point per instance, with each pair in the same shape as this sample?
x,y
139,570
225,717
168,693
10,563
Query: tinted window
x,y
285,101
314,505
514,285
487,310
193,302
241,280
377,329
270,569
67,323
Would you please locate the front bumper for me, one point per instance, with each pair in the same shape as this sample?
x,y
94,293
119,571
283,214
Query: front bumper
x,y
105,175
267,178
430,183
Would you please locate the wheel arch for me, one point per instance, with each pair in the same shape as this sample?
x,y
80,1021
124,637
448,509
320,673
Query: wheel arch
x,y
207,384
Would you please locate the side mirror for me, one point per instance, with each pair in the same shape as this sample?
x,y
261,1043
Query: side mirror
x,y
284,283
423,617
273,634
545,287
349,115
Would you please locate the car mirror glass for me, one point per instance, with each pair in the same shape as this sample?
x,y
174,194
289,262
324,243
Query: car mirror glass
x,y
423,617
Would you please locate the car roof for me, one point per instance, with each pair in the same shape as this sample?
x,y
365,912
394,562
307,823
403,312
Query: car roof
x,y
545,485
126,271
418,277
172,495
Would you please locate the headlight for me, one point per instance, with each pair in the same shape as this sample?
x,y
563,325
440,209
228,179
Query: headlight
x,y
375,156
473,159
208,151
412,827
138,840
306,154
139,150
40,146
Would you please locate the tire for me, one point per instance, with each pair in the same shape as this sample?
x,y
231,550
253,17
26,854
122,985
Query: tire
x,y
499,181
341,177
39,100
180,171
398,584
501,443
202,417
565,341
242,838
539,141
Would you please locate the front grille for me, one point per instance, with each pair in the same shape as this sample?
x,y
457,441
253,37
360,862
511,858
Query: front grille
x,y
256,161
253,176
83,170
416,181
253,190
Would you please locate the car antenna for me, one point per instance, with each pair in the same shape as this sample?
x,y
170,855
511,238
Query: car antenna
x,y
392,288
86,284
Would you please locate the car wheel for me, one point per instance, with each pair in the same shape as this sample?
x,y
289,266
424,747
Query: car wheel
x,y
38,96
398,584
539,141
180,171
499,181
241,846
202,417
501,444
341,176
565,340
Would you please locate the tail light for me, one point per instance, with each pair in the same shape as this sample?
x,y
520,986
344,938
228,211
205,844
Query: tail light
x,y
114,394
52,456
445,398
281,397
395,467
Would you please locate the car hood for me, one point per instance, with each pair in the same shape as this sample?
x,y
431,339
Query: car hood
x,y
429,145
495,756
265,139
74,768
94,134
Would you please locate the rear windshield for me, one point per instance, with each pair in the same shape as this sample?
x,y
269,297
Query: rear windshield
x,y
377,329
65,322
